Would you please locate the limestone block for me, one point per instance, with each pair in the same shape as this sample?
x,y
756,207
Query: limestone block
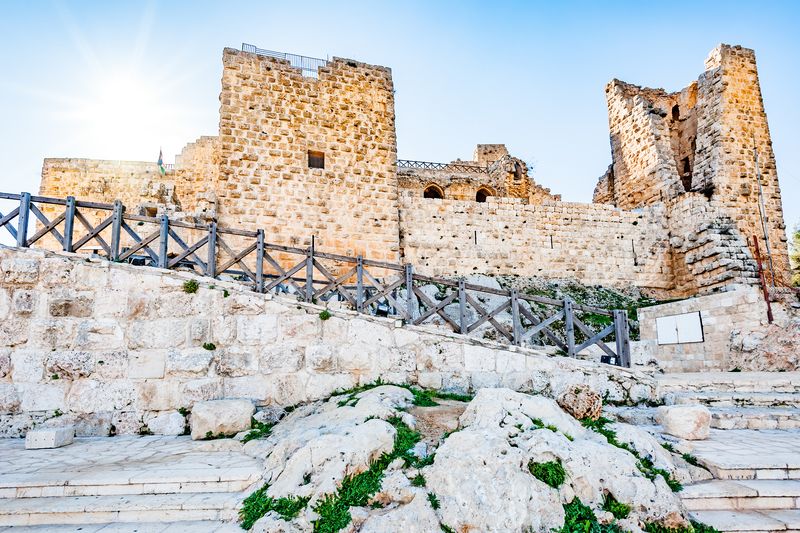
x,y
104,334
320,357
191,362
691,422
300,328
89,395
23,302
220,417
369,333
20,270
42,438
163,333
27,365
158,395
69,365
478,358
237,361
149,364
9,399
5,362
43,396
169,423
257,329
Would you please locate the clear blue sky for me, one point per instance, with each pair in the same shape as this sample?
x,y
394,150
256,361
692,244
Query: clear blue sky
x,y
120,79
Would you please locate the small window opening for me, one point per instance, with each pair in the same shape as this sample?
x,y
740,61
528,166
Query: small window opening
x,y
433,191
676,112
482,195
316,159
686,174
150,211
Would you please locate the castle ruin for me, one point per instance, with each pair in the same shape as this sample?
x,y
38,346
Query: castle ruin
x,y
313,152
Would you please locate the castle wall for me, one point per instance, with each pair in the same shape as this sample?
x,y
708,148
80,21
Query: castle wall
x,y
592,243
271,117
197,176
112,345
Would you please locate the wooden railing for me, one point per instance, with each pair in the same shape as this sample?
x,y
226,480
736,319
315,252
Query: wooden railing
x,y
314,276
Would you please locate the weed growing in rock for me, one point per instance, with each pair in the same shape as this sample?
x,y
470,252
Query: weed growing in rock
x,y
258,504
57,413
691,459
618,509
667,446
260,431
422,397
446,528
434,501
324,314
645,465
225,293
550,473
696,527
190,286
210,346
579,518
418,481
356,490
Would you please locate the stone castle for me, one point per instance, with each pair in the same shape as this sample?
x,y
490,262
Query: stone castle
x,y
313,152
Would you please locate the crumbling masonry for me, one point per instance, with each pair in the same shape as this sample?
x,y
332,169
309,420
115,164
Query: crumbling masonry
x,y
304,154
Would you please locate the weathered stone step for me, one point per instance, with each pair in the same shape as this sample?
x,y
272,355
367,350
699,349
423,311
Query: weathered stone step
x,y
109,509
749,494
121,482
205,526
735,399
729,381
767,520
721,417
750,454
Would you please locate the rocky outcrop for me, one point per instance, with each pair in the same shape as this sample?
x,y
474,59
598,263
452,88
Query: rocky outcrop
x,y
690,422
352,462
581,402
220,418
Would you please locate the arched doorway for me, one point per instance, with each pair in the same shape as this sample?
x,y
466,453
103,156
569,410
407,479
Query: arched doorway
x,y
433,191
482,194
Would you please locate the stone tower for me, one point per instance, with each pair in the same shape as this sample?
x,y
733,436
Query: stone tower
x,y
304,155
700,141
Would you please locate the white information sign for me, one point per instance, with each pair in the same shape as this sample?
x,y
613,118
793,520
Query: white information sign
x,y
680,329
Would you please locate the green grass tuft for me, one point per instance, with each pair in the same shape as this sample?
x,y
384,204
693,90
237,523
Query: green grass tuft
x,y
325,314
418,481
618,509
578,518
552,472
696,527
434,501
210,346
190,286
260,430
258,504
691,459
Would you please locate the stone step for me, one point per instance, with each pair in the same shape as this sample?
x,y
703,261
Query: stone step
x,y
749,454
122,482
735,399
110,509
766,520
751,494
729,381
205,526
721,417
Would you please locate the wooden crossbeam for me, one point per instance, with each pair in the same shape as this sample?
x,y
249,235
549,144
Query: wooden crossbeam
x,y
594,338
542,326
488,316
94,232
235,258
385,292
335,283
50,227
283,275
436,309
5,219
187,250
140,243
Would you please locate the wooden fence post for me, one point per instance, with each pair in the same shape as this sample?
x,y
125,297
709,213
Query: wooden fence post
x,y
310,272
409,270
462,307
163,243
570,327
69,223
211,264
260,261
22,226
360,284
515,323
116,229
622,336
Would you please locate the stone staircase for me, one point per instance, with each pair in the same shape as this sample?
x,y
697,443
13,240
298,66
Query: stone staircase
x,y
753,452
102,484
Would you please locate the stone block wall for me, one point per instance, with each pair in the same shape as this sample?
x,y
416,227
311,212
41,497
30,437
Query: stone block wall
x,y
109,346
722,314
272,118
595,244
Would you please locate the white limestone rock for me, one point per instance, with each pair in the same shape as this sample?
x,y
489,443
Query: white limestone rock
x,y
51,437
169,423
690,422
416,516
314,447
226,417
273,523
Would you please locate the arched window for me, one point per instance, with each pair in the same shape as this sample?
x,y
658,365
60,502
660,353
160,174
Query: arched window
x,y
482,194
433,191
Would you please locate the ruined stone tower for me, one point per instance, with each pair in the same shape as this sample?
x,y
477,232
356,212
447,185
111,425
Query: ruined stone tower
x,y
694,150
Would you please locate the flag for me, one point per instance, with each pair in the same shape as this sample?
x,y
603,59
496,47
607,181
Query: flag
x,y
160,163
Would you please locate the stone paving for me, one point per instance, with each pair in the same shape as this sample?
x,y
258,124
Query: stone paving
x,y
153,483
748,454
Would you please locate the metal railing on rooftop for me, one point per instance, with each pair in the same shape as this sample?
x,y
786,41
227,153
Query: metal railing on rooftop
x,y
453,167
307,65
